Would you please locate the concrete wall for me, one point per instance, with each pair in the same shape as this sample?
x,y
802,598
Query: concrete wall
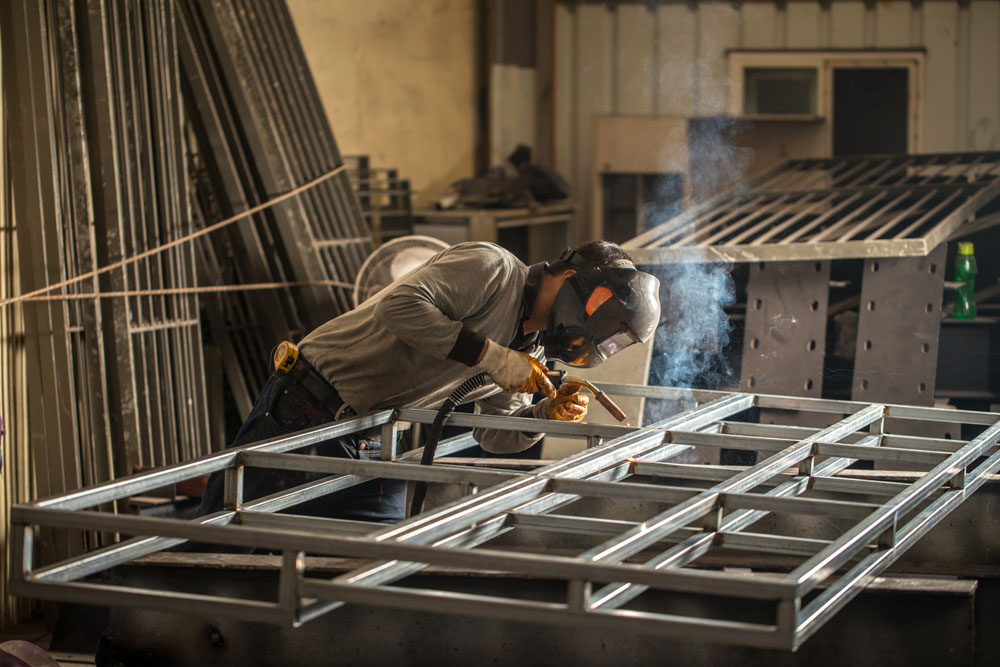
x,y
399,82
670,59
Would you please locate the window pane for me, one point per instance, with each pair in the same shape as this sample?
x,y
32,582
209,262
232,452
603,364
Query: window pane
x,y
771,90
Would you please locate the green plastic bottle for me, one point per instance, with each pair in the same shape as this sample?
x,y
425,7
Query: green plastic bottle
x,y
965,272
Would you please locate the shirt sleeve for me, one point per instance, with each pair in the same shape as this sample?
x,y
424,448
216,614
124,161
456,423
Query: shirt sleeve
x,y
425,309
511,405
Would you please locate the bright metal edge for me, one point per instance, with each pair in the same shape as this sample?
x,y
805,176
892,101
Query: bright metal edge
x,y
138,483
728,501
877,249
882,452
452,474
643,250
779,402
118,489
112,555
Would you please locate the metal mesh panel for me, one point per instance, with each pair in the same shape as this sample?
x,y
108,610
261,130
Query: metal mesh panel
x,y
831,208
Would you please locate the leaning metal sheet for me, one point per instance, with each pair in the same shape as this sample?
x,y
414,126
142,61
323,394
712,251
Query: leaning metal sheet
x,y
832,208
721,508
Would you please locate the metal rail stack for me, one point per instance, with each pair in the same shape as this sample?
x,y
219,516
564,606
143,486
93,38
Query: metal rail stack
x,y
94,135
605,579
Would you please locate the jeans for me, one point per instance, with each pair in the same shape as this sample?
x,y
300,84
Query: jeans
x,y
283,408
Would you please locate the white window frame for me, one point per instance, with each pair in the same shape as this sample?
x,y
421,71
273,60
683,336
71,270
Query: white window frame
x,y
825,62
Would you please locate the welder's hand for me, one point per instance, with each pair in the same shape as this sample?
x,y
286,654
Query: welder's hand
x,y
515,372
569,405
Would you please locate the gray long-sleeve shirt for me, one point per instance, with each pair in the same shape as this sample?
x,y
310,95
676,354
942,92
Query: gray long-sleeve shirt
x,y
392,350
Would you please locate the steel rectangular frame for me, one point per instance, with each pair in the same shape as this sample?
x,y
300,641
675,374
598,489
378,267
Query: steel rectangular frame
x,y
629,557
831,208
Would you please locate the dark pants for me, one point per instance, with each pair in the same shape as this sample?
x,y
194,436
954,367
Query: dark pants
x,y
284,407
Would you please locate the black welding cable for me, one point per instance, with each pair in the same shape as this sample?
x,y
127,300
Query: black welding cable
x,y
437,427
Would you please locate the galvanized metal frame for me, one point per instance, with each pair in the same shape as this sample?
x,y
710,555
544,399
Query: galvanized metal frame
x,y
831,208
628,558
136,150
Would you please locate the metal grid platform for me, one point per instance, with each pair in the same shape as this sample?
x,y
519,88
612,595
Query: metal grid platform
x,y
720,509
832,208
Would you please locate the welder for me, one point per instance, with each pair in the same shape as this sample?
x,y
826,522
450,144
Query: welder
x,y
472,308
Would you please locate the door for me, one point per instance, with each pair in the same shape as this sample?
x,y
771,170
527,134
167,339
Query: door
x,y
870,111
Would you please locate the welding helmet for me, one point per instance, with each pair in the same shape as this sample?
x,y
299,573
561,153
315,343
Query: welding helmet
x,y
600,310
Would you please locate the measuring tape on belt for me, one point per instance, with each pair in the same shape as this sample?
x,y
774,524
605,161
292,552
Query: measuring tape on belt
x,y
285,356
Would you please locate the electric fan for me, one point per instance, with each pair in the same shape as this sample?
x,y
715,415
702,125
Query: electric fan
x,y
391,261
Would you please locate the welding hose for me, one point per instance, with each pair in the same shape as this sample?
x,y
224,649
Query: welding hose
x,y
437,428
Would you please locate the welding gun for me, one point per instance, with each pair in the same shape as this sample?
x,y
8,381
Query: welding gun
x,y
558,378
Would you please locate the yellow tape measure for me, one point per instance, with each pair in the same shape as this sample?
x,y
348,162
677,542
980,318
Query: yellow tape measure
x,y
285,356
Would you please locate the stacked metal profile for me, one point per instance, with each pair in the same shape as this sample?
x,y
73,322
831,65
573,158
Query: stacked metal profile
x,y
260,130
96,149
386,199
709,508
832,208
13,409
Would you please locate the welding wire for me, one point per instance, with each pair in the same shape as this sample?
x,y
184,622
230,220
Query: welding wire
x,y
166,291
184,239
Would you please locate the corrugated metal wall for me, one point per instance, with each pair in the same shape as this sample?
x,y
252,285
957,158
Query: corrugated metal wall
x,y
669,58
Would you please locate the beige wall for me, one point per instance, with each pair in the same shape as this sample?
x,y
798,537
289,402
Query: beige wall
x,y
398,82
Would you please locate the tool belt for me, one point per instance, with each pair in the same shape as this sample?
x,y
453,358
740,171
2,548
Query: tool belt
x,y
300,372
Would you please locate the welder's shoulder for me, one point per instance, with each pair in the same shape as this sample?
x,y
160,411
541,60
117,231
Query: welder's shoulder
x,y
483,257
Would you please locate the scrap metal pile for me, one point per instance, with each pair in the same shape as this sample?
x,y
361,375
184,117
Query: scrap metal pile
x,y
707,509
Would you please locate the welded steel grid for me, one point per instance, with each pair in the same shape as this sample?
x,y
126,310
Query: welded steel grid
x,y
717,508
833,208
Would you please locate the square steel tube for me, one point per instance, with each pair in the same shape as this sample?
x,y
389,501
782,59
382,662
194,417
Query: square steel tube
x,y
810,573
485,559
120,489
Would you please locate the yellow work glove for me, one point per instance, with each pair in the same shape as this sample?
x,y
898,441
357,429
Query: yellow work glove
x,y
515,372
569,405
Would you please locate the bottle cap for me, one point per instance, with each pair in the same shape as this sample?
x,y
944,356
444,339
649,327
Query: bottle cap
x,y
965,248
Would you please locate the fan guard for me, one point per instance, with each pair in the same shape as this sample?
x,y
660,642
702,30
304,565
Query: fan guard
x,y
391,261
